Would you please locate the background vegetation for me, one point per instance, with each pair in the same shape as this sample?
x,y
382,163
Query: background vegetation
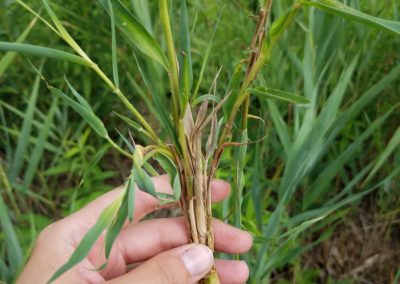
x,y
322,190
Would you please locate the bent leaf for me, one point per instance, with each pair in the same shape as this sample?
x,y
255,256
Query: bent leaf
x,y
135,32
337,8
116,225
41,51
278,95
131,197
89,239
86,113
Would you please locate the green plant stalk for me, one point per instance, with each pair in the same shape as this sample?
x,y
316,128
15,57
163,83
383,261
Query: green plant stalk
x,y
127,103
63,33
173,72
38,15
118,148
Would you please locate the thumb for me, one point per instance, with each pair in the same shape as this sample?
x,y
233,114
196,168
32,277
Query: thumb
x,y
186,264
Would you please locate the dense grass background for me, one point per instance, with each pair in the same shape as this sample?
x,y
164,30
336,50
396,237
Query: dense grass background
x,y
326,177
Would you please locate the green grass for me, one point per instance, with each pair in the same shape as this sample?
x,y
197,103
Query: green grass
x,y
309,175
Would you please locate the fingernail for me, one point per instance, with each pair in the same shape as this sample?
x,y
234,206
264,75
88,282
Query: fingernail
x,y
198,260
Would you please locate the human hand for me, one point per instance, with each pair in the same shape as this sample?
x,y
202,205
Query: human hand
x,y
159,248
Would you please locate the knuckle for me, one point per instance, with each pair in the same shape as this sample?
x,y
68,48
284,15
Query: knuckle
x,y
48,234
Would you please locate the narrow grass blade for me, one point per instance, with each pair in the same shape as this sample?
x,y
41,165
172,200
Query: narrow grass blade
x,y
142,178
169,167
25,6
89,239
280,126
185,57
13,247
32,140
239,180
7,140
80,99
336,8
113,45
323,180
117,224
166,120
23,140
63,32
382,158
37,152
264,92
293,232
38,124
205,58
135,32
141,9
207,97
131,188
94,161
136,126
87,114
232,90
41,51
7,59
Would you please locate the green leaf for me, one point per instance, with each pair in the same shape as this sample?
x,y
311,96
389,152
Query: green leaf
x,y
133,124
232,90
206,56
391,146
113,45
63,32
165,117
89,239
131,188
208,97
185,58
143,180
135,32
14,252
117,224
37,152
176,187
331,171
25,133
278,95
94,161
239,179
81,100
86,113
336,8
8,58
172,172
41,51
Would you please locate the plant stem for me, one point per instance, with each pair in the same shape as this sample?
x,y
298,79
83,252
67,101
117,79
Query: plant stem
x,y
127,103
251,74
173,72
118,148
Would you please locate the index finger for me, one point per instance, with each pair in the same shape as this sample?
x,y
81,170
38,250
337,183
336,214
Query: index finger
x,y
144,202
